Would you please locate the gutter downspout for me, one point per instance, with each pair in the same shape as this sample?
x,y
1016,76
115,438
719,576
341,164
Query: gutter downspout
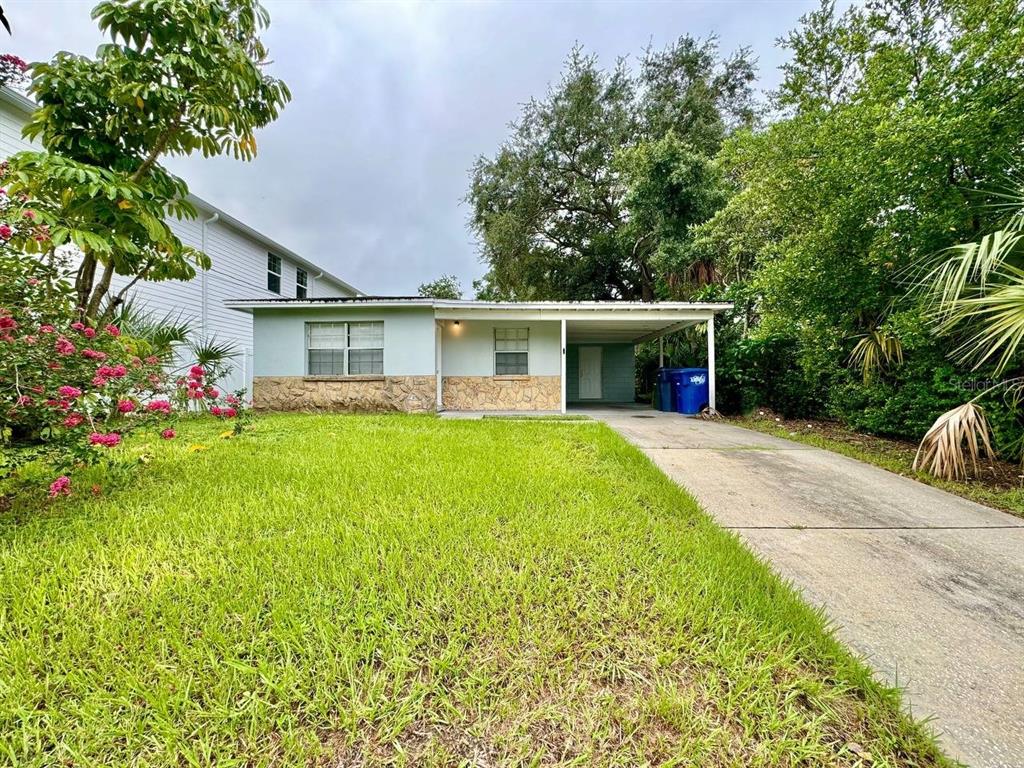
x,y
204,314
312,283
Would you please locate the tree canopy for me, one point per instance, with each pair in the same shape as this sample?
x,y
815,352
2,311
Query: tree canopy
x,y
445,287
561,210
178,76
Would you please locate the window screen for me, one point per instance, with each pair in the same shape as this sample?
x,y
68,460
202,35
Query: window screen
x,y
301,284
340,349
511,351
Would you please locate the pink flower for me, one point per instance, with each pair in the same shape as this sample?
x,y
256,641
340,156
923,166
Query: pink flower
x,y
69,392
6,231
118,371
215,410
31,340
30,215
64,347
99,381
162,406
196,371
196,394
17,63
232,400
78,326
7,321
94,354
212,393
109,440
125,406
113,330
23,400
195,385
154,379
152,360
230,413
73,420
46,329
96,490
54,366
89,333
60,487
167,434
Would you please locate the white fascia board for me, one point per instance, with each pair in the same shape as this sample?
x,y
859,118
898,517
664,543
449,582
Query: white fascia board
x,y
666,314
356,303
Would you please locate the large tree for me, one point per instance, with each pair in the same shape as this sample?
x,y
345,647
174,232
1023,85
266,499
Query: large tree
x,y
558,209
178,76
896,121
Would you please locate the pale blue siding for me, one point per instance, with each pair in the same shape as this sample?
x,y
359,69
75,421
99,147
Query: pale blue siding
x,y
618,382
280,338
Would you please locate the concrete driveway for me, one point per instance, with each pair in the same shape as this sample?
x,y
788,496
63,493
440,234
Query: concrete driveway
x,y
927,586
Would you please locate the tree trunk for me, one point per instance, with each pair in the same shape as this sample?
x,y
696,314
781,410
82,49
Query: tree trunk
x,y
99,292
84,281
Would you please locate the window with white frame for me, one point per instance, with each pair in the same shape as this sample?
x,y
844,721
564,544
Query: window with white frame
x,y
273,273
301,284
511,351
344,349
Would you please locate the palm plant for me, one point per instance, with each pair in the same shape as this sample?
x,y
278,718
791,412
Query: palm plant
x,y
976,290
875,352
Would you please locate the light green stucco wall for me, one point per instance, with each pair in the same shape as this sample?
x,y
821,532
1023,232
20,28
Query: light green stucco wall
x,y
279,338
618,383
467,349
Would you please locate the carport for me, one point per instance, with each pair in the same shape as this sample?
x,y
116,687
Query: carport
x,y
598,339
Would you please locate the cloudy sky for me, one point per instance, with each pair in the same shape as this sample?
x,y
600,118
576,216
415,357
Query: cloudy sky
x,y
366,168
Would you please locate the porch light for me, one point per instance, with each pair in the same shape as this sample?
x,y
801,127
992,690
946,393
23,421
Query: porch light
x,y
456,322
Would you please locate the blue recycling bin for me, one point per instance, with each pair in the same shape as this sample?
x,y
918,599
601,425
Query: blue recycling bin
x,y
691,389
666,389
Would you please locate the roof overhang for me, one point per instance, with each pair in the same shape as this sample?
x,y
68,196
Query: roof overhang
x,y
586,321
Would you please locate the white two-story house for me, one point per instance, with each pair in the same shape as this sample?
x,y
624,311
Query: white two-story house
x,y
244,263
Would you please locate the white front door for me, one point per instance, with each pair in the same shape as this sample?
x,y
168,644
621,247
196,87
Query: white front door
x,y
590,373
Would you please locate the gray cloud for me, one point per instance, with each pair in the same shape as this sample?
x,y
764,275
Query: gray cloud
x,y
365,169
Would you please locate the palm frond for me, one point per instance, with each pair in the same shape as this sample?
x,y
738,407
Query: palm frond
x,y
956,436
160,332
874,353
996,320
210,352
960,270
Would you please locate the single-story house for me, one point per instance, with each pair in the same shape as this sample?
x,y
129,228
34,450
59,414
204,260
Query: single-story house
x,y
421,354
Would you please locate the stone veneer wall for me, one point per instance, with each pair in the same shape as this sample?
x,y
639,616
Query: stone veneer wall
x,y
414,394
500,393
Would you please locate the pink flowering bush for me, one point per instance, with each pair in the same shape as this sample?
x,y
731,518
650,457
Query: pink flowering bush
x,y
70,393
62,402
12,71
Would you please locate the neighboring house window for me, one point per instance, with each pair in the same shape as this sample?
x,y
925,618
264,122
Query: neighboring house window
x,y
511,351
301,284
273,273
344,349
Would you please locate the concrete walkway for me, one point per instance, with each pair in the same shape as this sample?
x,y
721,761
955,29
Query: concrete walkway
x,y
927,586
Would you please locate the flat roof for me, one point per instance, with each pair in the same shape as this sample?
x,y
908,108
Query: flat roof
x,y
470,304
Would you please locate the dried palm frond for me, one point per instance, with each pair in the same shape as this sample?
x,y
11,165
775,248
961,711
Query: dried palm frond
x,y
875,352
955,437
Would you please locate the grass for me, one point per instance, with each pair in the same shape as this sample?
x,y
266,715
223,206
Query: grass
x,y
401,590
1000,484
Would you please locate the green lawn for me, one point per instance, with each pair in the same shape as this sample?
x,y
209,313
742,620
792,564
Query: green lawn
x,y
331,590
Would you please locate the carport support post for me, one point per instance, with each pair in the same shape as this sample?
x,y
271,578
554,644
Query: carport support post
x,y
711,362
562,377
661,351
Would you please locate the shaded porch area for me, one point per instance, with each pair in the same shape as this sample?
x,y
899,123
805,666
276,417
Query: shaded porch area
x,y
550,357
